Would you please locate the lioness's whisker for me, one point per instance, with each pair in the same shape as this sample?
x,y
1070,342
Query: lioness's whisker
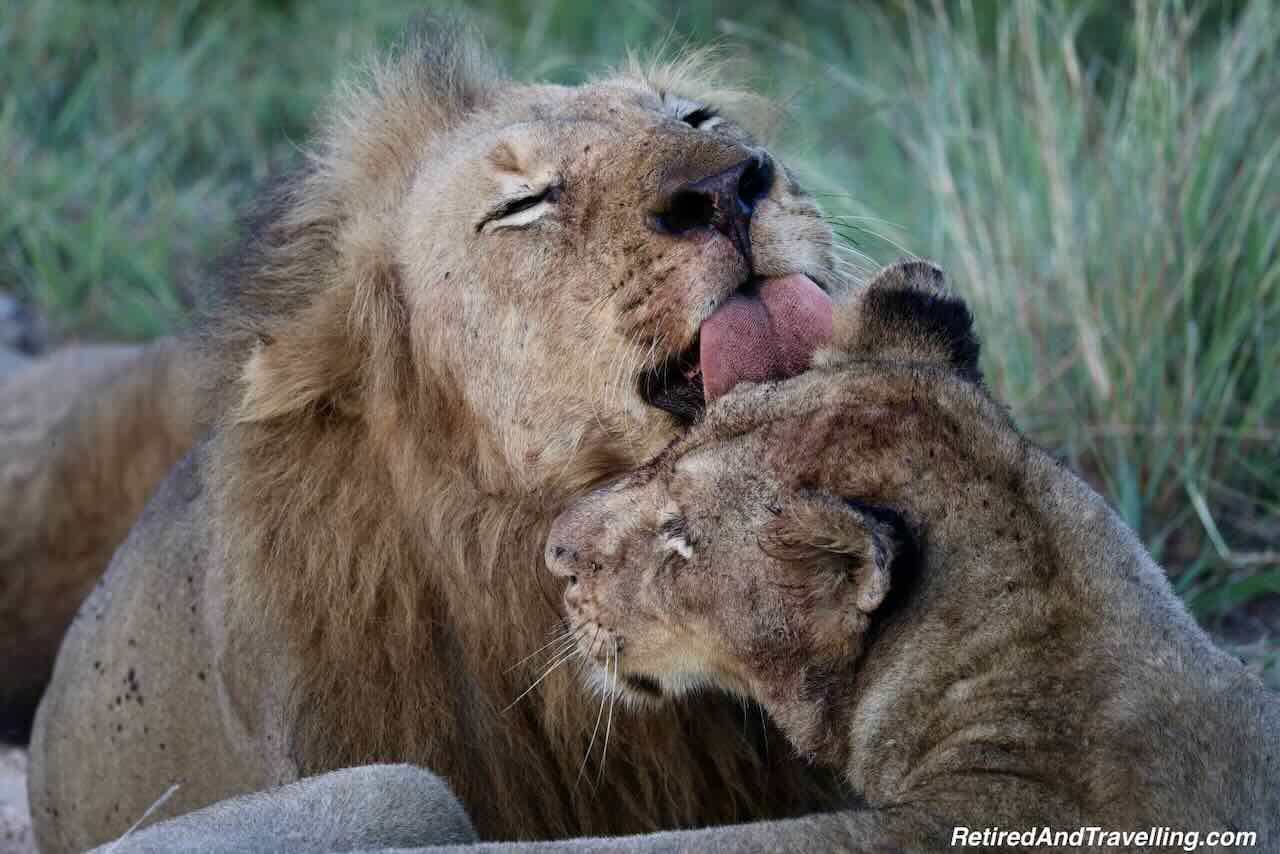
x,y
596,729
764,730
584,659
571,641
563,635
568,636
567,646
559,660
563,657
613,695
563,644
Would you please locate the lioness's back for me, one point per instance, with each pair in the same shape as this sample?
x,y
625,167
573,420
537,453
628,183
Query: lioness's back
x,y
85,435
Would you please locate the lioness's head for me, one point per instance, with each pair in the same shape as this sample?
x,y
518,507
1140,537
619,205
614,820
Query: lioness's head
x,y
708,573
549,280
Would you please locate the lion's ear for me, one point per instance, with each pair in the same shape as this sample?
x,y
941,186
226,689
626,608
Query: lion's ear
x,y
907,314
809,527
308,364
453,63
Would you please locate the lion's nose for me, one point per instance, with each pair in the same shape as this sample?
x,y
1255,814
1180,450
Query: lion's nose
x,y
724,201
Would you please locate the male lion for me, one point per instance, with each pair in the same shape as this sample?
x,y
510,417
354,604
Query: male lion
x,y
1032,668
478,300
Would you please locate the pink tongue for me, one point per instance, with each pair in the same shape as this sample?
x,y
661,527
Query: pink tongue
x,y
766,336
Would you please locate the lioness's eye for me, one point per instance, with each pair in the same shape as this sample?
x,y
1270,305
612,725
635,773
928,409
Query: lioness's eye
x,y
522,210
702,117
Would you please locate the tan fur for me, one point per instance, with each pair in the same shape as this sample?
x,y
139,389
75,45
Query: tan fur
x,y
347,571
86,434
748,590
1031,667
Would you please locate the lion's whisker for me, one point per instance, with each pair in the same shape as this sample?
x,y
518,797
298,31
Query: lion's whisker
x,y
856,256
621,370
838,218
633,366
593,362
616,389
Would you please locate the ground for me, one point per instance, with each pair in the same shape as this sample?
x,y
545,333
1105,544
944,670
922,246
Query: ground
x,y
15,823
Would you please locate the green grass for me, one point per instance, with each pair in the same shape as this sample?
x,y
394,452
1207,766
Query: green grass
x,y
1102,185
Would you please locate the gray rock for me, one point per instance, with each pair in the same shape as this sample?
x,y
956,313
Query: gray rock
x,y
20,328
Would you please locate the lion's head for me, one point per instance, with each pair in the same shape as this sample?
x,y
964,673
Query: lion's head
x,y
524,271
476,300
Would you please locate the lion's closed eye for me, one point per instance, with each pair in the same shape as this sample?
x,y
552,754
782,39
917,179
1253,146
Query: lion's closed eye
x,y
522,210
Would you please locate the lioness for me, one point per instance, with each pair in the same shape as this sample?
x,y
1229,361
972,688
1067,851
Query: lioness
x,y
1031,668
86,435
478,300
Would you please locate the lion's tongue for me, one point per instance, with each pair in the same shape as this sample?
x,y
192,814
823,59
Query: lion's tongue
x,y
769,335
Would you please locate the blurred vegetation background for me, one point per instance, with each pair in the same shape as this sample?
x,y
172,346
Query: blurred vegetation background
x,y
1100,180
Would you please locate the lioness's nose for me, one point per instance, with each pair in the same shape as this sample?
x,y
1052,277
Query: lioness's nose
x,y
563,559
724,202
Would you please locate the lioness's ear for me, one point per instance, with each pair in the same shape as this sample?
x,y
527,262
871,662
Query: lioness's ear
x,y
907,314
814,526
